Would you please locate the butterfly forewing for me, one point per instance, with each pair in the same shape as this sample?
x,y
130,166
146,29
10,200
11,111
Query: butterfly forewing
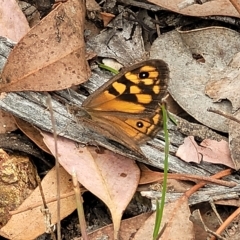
x,y
138,89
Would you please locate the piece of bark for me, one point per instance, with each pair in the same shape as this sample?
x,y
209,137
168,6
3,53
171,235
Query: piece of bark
x,y
32,107
214,193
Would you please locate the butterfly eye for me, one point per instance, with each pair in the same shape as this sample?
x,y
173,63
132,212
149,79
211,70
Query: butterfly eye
x,y
143,75
139,124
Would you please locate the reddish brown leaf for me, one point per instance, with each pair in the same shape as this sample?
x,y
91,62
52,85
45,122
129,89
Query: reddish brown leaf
x,y
32,132
208,151
52,54
176,216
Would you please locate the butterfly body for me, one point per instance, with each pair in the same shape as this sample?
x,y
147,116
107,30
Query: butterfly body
x,y
126,108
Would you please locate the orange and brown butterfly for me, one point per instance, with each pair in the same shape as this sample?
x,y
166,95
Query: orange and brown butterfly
x,y
126,108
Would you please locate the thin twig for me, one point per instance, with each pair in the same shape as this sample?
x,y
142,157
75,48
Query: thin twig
x,y
227,222
213,206
199,185
38,204
81,217
49,228
224,114
49,102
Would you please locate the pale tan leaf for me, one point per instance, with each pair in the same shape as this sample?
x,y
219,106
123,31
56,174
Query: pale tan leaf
x,y
216,152
189,77
176,216
109,176
13,23
188,151
224,84
234,140
209,8
52,54
128,228
209,151
29,222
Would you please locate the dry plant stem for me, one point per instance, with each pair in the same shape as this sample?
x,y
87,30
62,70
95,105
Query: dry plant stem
x,y
201,178
224,114
41,192
83,225
157,26
188,177
198,218
38,204
45,210
162,231
213,206
202,183
227,222
235,4
49,103
215,235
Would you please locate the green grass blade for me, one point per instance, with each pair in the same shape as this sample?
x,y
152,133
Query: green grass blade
x,y
160,204
103,66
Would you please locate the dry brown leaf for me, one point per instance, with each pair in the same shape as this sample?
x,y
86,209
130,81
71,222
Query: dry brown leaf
x,y
225,88
51,56
224,84
209,151
148,176
234,140
107,18
32,132
13,24
189,77
109,176
7,122
176,216
29,224
220,7
127,230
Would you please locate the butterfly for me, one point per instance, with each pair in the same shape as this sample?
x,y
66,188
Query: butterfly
x,y
126,108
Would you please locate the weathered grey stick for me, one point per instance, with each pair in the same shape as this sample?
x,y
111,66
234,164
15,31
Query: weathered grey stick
x,y
32,107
